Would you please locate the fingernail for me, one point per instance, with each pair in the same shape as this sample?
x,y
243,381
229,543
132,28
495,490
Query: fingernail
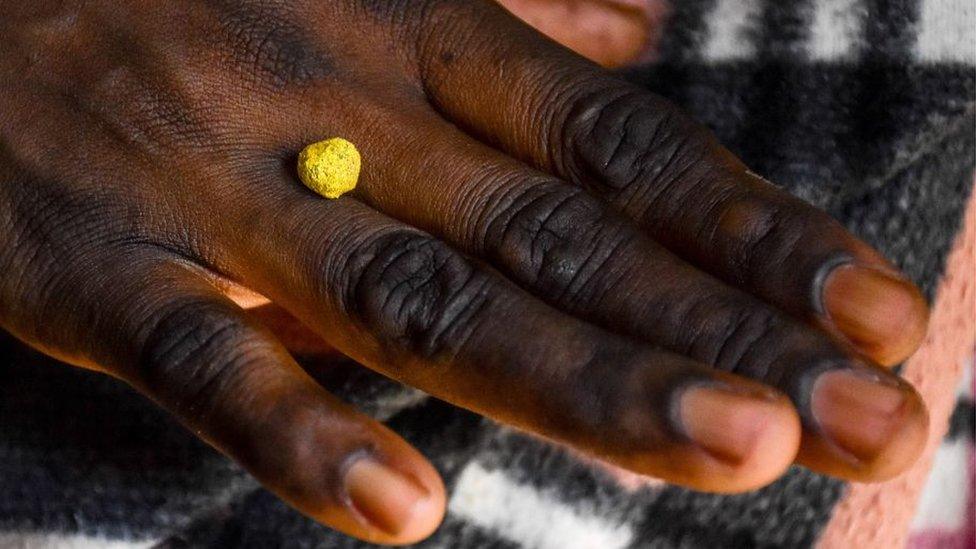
x,y
725,422
858,410
385,497
883,315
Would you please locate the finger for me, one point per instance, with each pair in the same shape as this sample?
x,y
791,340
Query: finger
x,y
568,117
569,249
176,339
410,307
610,33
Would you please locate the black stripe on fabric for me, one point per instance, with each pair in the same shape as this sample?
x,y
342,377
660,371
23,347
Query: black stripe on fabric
x,y
790,513
962,423
549,467
262,521
784,29
83,453
684,35
911,217
767,99
685,30
881,85
892,32
449,436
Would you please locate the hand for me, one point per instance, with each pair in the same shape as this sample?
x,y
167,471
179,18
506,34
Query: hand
x,y
532,239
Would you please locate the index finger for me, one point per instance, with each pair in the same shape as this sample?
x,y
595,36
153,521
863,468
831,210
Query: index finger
x,y
561,113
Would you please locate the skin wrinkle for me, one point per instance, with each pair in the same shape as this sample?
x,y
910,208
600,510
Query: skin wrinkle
x,y
581,116
462,326
186,332
618,145
736,345
552,148
437,342
546,231
123,51
762,357
471,211
142,224
407,261
597,133
328,264
641,178
266,40
523,217
58,222
702,342
600,257
645,178
166,117
496,210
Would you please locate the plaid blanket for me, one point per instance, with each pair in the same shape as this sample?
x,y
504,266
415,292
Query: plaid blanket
x,y
862,107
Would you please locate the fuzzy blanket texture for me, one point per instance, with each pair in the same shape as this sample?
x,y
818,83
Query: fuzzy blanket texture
x,y
863,107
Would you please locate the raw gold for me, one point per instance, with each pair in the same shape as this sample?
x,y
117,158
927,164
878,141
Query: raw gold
x,y
330,167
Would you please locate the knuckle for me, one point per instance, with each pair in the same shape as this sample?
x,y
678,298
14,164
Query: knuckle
x,y
631,143
156,120
302,445
742,332
630,400
415,292
196,352
736,335
52,228
10,209
263,40
758,236
556,239
55,256
398,13
430,31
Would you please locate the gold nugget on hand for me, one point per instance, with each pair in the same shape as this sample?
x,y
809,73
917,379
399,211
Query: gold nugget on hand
x,y
330,167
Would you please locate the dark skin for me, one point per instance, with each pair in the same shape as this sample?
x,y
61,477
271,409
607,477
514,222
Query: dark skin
x,y
531,238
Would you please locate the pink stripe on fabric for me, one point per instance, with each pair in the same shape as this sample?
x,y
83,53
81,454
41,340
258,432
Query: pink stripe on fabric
x,y
879,515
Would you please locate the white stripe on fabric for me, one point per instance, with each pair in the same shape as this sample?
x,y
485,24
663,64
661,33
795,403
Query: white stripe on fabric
x,y
530,517
965,389
835,28
13,540
389,406
731,30
947,31
943,502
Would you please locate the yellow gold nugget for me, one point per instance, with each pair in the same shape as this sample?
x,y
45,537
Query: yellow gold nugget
x,y
330,167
